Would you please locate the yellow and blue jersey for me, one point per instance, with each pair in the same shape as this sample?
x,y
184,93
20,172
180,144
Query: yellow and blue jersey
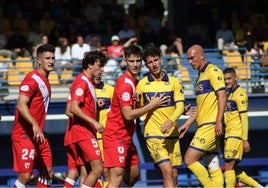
x,y
210,81
237,103
104,91
169,86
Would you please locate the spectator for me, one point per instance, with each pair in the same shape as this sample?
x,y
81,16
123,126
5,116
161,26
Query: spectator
x,y
244,38
63,56
115,50
126,32
111,69
44,40
225,37
77,51
94,41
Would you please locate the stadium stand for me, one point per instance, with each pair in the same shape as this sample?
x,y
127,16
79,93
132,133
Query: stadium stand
x,y
24,64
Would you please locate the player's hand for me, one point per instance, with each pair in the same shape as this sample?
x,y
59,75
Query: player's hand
x,y
38,134
182,131
166,126
246,146
161,100
218,129
99,127
136,97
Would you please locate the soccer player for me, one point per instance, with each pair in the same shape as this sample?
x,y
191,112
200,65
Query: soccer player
x,y
236,131
104,93
120,154
30,145
76,167
211,102
84,109
160,129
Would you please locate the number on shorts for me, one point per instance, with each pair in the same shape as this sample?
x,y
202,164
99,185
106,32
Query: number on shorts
x,y
120,149
26,154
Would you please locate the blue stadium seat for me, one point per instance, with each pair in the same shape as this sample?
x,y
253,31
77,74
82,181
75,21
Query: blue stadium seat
x,y
194,181
183,180
11,181
263,175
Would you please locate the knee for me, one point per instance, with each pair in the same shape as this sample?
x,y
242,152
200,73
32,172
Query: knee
x,y
24,177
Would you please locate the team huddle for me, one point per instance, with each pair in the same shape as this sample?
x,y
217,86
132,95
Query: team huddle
x,y
102,120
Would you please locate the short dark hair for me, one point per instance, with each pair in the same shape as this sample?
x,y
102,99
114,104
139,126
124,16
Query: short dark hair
x,y
132,50
45,48
152,51
229,70
91,57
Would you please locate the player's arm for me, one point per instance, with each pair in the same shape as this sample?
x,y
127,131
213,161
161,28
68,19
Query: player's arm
x,y
129,113
78,112
68,111
187,124
221,96
244,120
179,110
24,111
242,107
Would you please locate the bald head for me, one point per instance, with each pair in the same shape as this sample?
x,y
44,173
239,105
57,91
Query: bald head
x,y
196,57
197,49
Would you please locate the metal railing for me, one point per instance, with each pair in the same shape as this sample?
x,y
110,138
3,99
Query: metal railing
x,y
252,73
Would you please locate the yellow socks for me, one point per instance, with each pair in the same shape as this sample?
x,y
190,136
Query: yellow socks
x,y
244,178
201,173
230,178
217,177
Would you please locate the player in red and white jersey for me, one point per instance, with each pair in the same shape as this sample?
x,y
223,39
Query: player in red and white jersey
x,y
30,146
120,154
83,107
75,167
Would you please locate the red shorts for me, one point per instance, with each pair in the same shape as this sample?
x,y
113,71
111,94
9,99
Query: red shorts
x,y
88,150
120,156
72,159
28,155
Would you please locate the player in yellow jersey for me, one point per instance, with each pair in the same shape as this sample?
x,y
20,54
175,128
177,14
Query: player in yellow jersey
x,y
104,93
160,129
236,131
211,102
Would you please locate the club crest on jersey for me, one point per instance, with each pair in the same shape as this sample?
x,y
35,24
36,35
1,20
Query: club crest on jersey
x,y
24,88
79,91
126,96
199,87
